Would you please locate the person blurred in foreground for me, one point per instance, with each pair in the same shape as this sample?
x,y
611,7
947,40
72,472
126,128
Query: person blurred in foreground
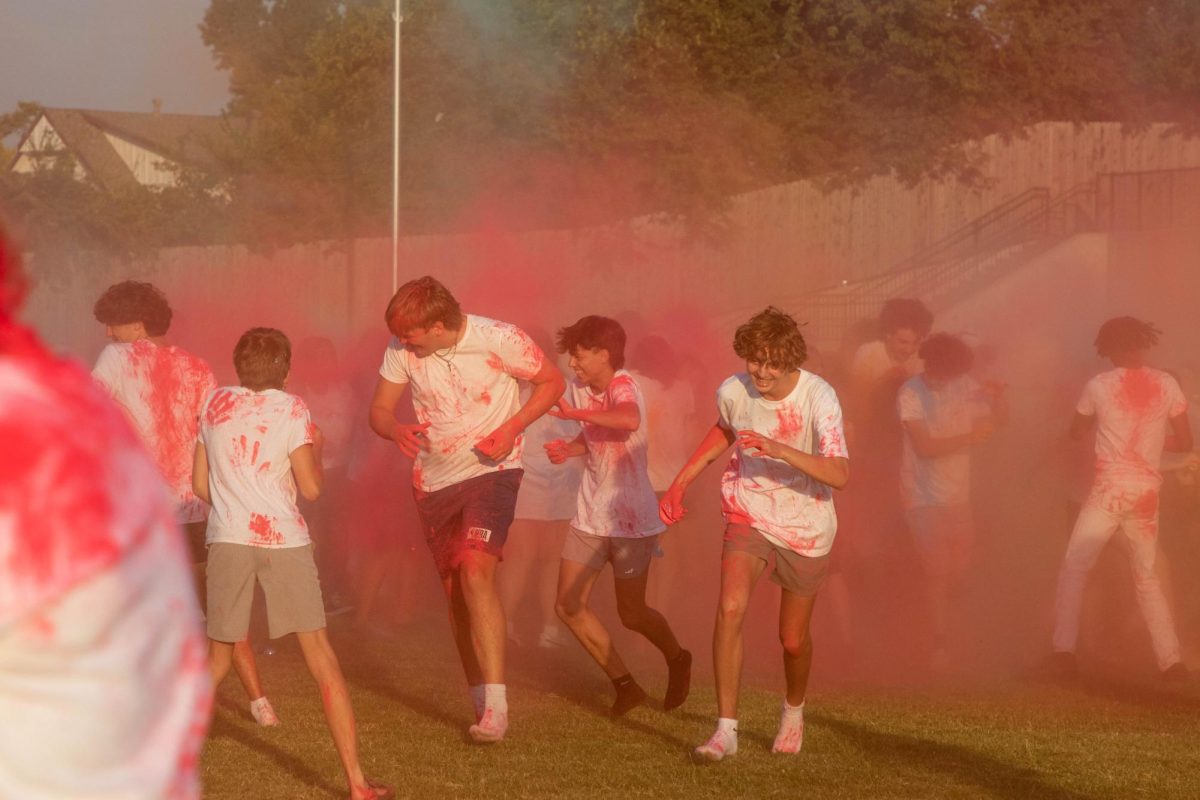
x,y
103,684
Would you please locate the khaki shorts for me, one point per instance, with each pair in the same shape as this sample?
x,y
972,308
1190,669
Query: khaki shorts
x,y
288,576
630,556
800,575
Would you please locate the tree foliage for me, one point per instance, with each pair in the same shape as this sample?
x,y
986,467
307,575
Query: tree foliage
x,y
567,112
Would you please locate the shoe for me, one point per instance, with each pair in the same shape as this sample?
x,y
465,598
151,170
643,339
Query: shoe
x,y
791,731
720,744
263,713
1059,666
1176,673
679,680
490,728
628,698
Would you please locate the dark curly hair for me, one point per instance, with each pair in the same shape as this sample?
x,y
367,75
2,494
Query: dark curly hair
x,y
262,358
1125,333
594,333
771,336
905,312
946,356
133,301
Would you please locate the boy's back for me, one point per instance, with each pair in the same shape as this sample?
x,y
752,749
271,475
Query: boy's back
x,y
1131,407
249,437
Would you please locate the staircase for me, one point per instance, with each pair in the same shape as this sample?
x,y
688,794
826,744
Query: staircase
x,y
965,261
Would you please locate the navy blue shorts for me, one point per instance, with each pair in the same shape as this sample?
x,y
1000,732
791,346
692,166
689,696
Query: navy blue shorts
x,y
472,515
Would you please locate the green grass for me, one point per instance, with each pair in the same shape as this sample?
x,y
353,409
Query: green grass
x,y
1102,740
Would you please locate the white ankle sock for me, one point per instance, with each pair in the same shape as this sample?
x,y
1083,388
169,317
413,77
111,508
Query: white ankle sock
x,y
495,697
727,725
789,709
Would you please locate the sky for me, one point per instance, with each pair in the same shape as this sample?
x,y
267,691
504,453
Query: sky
x,y
114,55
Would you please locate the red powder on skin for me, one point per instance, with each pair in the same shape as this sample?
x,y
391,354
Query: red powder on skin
x,y
1138,390
263,528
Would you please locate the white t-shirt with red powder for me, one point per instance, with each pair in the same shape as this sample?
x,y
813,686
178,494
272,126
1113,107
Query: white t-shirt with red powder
x,y
465,392
948,410
615,495
249,437
788,507
161,388
103,675
1132,408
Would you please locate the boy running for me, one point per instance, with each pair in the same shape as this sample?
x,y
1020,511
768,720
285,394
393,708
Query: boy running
x,y
777,500
257,445
616,518
1133,408
467,444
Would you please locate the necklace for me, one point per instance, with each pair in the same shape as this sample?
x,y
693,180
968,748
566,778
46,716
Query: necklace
x,y
447,355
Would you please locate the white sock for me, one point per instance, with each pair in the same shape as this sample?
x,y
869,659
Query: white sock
x,y
791,710
477,698
495,697
727,725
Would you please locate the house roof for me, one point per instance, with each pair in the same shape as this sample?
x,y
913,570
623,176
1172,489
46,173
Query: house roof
x,y
189,139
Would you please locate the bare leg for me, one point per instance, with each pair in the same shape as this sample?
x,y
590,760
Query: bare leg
x,y
575,582
637,616
339,714
795,613
739,572
247,668
220,659
460,627
485,614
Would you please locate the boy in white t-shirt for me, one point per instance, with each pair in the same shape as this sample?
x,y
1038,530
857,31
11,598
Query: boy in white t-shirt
x,y
161,388
777,500
616,516
103,686
466,445
945,412
1137,412
257,444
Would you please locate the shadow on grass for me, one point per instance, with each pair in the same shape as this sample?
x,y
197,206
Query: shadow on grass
x,y
997,778
378,677
548,674
223,728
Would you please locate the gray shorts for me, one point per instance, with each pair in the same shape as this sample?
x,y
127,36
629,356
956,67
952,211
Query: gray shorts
x,y
800,575
288,576
630,557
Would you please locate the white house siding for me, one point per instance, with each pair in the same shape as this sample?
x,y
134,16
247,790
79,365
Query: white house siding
x,y
148,168
39,147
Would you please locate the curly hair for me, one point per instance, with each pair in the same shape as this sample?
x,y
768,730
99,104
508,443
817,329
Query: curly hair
x,y
773,337
946,356
905,312
262,358
134,301
594,333
419,304
1125,333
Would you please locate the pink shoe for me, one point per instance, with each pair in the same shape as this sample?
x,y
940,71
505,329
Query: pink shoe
x,y
490,728
263,713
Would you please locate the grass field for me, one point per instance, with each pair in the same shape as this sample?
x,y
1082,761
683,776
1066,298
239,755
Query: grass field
x,y
1103,739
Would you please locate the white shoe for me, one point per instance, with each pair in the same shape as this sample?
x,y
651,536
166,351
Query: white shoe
x,y
490,728
720,744
791,732
263,713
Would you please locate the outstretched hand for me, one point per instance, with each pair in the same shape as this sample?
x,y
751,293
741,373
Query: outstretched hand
x,y
759,445
564,410
411,439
